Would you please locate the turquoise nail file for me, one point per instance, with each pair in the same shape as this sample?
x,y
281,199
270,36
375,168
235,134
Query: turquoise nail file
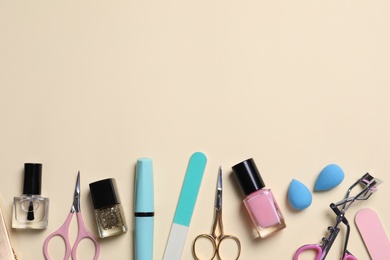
x,y
185,207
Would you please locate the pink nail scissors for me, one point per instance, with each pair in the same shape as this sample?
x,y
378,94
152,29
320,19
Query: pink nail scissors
x,y
321,250
63,231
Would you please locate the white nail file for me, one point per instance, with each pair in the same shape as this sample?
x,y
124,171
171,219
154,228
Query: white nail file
x,y
373,234
185,207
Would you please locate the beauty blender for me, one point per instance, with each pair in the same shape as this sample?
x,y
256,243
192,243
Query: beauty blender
x,y
331,176
299,195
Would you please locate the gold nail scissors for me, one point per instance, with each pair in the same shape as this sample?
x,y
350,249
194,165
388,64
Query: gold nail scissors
x,y
215,238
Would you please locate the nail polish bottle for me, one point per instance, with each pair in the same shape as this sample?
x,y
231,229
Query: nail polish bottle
x,y
259,201
31,211
109,215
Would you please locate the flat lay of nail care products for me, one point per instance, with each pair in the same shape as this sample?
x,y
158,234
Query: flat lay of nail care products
x,y
150,100
31,210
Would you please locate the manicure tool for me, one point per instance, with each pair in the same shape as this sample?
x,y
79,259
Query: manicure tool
x,y
217,239
373,234
185,207
6,252
369,184
63,231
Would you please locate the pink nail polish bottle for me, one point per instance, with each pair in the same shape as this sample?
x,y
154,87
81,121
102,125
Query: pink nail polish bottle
x,y
259,201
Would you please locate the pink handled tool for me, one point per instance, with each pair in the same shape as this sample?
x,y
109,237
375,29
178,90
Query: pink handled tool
x,y
321,250
63,231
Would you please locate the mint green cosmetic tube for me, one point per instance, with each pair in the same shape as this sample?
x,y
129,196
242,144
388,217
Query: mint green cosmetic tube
x,y
144,210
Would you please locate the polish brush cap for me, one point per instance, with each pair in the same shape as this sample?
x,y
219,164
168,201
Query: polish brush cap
x,y
248,176
104,193
32,178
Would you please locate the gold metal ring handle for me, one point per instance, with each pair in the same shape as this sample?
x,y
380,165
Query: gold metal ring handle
x,y
235,239
208,237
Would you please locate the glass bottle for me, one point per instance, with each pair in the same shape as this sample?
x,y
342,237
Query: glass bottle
x,y
109,215
259,201
30,210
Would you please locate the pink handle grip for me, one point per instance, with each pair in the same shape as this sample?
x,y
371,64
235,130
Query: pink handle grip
x,y
349,257
83,233
319,255
314,247
62,232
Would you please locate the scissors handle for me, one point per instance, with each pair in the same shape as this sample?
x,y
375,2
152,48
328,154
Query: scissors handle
x,y
229,237
208,237
216,242
349,256
83,233
62,232
314,247
319,252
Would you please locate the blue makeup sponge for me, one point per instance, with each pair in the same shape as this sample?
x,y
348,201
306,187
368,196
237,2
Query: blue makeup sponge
x,y
331,176
299,195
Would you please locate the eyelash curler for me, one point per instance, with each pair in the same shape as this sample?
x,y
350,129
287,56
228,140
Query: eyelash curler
x,y
369,184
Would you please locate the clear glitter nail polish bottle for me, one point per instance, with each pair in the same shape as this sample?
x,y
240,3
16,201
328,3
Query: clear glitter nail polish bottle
x,y
109,215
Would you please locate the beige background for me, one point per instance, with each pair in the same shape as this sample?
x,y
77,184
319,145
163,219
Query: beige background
x,y
94,85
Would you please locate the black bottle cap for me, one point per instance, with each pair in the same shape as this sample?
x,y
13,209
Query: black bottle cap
x,y
32,178
248,176
104,193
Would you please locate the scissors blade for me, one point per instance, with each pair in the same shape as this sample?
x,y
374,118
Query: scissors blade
x,y
76,196
218,193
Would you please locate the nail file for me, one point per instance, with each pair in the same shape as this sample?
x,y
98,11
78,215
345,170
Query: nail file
x,y
185,207
6,252
373,234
